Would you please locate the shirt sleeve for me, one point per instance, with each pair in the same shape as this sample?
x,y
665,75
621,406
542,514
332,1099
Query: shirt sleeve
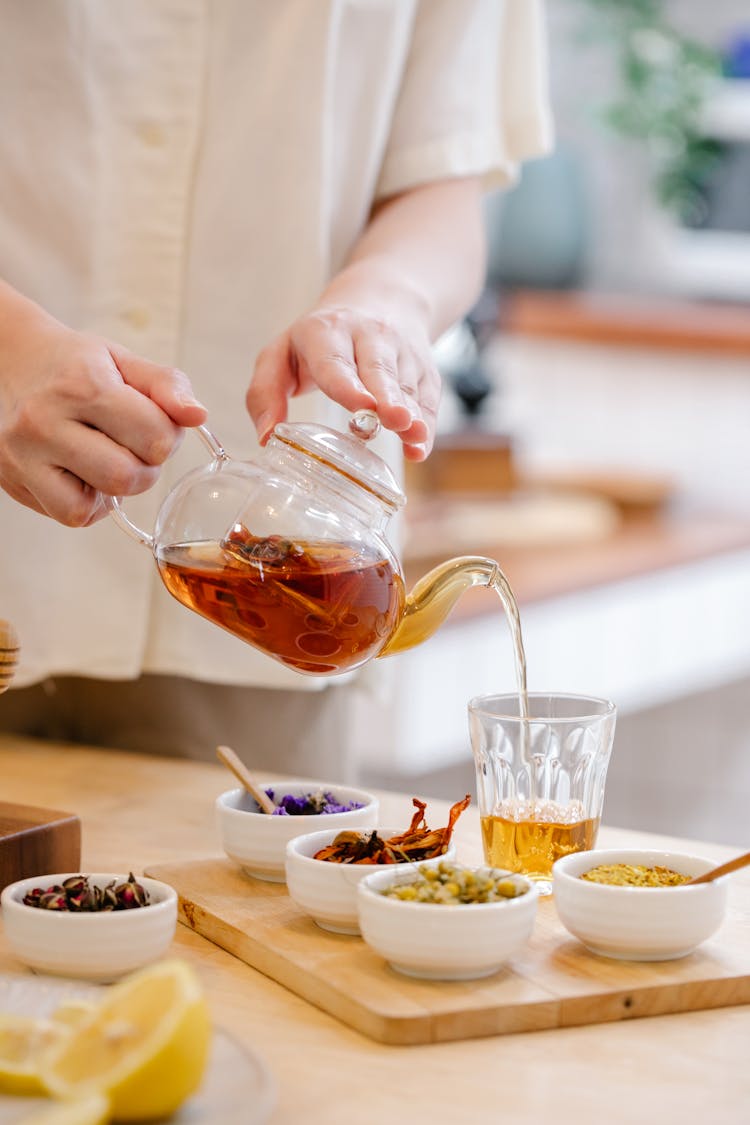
x,y
474,97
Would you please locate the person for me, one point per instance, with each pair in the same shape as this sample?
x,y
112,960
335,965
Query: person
x,y
200,205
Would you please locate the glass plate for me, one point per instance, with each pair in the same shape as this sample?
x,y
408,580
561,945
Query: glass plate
x,y
238,1089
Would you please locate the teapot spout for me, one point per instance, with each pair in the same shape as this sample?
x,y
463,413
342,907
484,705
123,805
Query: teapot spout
x,y
434,596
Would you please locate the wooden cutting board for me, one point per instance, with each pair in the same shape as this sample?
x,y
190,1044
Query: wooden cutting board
x,y
554,982
37,842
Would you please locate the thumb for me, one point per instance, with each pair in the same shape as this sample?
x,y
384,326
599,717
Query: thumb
x,y
168,387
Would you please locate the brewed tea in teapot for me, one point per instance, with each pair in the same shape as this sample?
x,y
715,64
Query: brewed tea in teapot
x,y
289,553
317,607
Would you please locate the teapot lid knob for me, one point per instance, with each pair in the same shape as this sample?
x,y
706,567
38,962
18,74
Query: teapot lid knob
x,y
348,453
364,425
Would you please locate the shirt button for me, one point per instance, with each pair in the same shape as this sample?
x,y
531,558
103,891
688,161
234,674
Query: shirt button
x,y
137,317
151,133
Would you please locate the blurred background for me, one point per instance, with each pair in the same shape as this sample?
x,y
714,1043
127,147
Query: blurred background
x,y
595,432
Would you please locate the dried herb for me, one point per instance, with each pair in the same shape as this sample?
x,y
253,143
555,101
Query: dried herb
x,y
451,885
76,895
634,875
310,804
268,549
417,843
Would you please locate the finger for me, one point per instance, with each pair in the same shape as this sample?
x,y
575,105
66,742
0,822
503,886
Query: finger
x,y
391,378
410,377
420,378
428,394
65,498
100,462
168,387
378,365
22,496
100,512
273,383
66,475
325,357
133,421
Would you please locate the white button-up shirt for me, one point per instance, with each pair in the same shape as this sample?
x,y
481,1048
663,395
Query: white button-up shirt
x,y
184,176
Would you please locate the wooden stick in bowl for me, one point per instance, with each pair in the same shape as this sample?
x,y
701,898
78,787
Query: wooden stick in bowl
x,y
234,763
725,869
9,651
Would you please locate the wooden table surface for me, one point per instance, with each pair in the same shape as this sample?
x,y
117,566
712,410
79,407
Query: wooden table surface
x,y
138,810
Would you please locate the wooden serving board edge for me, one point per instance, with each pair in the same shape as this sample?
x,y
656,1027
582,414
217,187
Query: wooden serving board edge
x,y
464,1009
430,1027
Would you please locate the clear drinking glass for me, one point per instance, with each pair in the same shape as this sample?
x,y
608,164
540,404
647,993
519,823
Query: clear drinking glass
x,y
540,777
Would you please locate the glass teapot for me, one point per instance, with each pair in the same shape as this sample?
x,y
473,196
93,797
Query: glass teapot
x,y
289,552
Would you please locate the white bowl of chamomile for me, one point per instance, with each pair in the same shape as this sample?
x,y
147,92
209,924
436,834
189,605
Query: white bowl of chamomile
x,y
446,922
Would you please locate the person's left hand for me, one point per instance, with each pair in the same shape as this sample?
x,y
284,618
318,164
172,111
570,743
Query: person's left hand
x,y
360,359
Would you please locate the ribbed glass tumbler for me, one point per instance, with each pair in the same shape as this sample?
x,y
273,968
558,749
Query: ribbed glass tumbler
x,y
540,777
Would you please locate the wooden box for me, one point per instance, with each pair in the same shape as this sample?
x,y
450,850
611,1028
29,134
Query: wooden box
x,y
465,461
37,842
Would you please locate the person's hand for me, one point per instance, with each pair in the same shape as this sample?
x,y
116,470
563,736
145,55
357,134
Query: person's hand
x,y
360,359
412,273
80,417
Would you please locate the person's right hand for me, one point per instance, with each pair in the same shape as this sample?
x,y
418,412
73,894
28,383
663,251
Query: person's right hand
x,y
81,417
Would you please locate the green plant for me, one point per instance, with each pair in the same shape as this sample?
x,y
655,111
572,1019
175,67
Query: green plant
x,y
664,79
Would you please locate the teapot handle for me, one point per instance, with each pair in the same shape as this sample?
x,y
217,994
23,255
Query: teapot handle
x,y
114,503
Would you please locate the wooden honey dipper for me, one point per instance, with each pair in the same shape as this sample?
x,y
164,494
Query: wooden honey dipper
x,y
9,650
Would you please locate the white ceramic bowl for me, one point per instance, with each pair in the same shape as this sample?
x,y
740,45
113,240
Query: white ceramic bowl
x,y
328,891
638,923
257,841
96,946
439,942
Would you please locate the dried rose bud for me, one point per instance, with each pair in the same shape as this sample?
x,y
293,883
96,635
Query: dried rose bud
x,y
125,896
131,894
75,884
109,899
78,896
140,892
82,901
53,901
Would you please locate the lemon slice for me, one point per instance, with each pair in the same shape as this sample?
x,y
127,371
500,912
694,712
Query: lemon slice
x,y
72,1012
145,1047
91,1110
23,1043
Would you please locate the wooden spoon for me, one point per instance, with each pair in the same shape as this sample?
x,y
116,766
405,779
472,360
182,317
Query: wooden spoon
x,y
234,763
724,869
9,650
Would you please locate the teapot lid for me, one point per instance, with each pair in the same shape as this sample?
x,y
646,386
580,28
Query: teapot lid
x,y
347,454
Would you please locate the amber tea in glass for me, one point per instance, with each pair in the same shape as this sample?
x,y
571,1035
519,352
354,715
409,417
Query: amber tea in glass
x,y
530,838
541,768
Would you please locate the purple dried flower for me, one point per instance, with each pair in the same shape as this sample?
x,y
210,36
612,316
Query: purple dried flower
x,y
310,804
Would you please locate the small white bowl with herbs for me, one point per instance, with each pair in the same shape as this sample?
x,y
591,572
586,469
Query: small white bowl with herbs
x,y
447,922
324,868
91,927
257,840
637,904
